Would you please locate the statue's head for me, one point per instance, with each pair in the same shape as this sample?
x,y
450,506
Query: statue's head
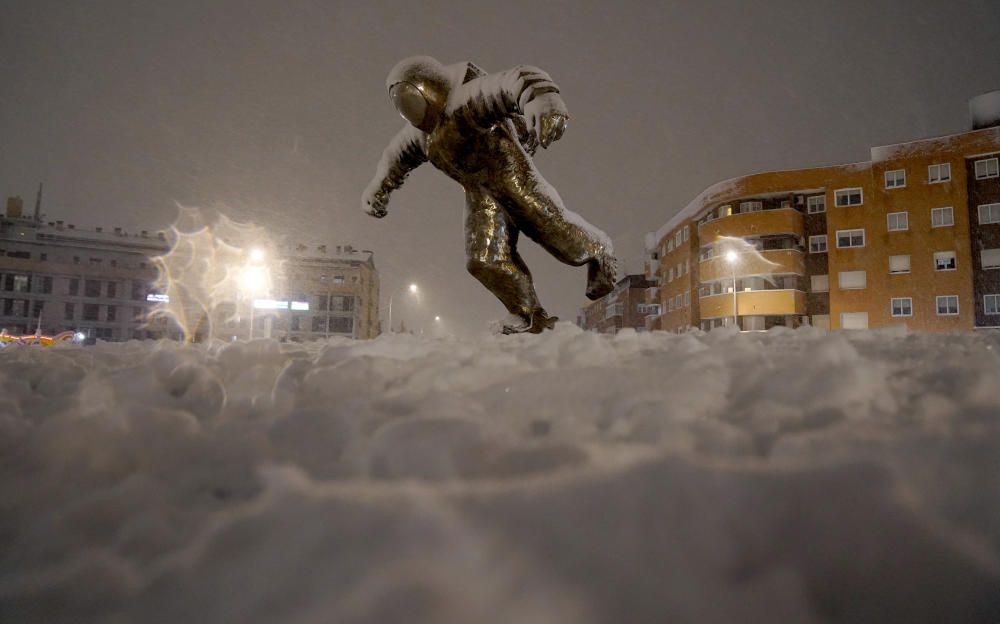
x,y
418,87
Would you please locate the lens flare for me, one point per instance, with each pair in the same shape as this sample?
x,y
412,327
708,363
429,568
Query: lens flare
x,y
214,266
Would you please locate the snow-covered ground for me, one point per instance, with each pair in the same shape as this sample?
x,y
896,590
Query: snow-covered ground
x,y
565,478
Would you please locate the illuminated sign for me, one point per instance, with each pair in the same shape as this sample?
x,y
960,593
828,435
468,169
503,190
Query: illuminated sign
x,y
158,298
277,304
270,304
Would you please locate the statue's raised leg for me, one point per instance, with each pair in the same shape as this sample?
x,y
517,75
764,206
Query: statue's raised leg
x,y
492,258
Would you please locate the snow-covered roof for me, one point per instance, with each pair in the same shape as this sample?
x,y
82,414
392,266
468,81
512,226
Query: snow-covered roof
x,y
896,150
719,189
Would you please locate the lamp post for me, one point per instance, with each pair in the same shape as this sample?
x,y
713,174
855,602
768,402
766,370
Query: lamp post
x,y
731,258
413,290
254,278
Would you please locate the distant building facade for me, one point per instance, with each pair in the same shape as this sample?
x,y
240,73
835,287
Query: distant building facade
x,y
339,289
625,306
56,277
910,237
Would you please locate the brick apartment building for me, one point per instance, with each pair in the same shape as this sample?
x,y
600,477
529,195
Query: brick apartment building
x,y
911,236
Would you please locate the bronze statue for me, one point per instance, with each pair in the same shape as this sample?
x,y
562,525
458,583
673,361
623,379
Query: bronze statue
x,y
481,130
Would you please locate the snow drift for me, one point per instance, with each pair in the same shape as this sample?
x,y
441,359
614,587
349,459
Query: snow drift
x,y
792,476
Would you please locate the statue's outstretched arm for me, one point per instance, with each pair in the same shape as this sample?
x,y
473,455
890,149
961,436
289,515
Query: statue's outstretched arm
x,y
406,152
524,90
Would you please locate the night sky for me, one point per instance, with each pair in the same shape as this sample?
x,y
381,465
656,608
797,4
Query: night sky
x,y
276,112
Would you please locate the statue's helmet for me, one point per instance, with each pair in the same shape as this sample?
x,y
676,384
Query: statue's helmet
x,y
418,87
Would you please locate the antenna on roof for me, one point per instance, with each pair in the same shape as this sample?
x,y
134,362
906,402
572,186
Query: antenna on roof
x,y
38,204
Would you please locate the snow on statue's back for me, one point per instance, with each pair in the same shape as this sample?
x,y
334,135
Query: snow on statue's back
x,y
480,130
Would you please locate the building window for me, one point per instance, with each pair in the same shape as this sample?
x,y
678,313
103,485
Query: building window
x,y
942,217
112,290
670,244
46,285
111,313
296,320
848,197
938,173
990,258
989,213
137,314
341,324
898,221
902,306
854,320
816,204
342,304
43,257
850,238
91,311
817,244
687,298
820,283
725,211
36,309
991,304
114,263
687,233
751,206
74,286
895,178
947,305
18,283
95,262
944,261
319,323
899,264
987,168
76,259
91,288
670,275
678,239
69,312
852,280
138,291
338,279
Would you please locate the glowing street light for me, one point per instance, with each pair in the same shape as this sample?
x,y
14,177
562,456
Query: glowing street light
x,y
437,319
254,279
413,291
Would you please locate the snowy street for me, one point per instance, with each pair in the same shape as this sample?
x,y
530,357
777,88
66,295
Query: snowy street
x,y
788,476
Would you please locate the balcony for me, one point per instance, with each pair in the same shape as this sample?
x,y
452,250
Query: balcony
x,y
754,303
785,261
760,223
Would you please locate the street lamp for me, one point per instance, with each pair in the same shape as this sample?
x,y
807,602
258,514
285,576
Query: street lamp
x,y
413,291
731,258
254,279
437,319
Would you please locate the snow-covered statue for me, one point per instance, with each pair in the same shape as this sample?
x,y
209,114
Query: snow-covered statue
x,y
481,130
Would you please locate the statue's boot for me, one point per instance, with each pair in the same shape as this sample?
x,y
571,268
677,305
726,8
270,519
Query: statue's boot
x,y
602,273
538,322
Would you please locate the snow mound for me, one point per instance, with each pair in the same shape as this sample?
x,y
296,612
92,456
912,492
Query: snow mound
x,y
788,476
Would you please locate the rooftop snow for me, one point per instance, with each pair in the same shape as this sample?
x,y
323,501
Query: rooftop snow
x,y
563,478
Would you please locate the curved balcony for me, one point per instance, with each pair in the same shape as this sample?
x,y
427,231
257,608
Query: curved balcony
x,y
784,261
754,303
762,222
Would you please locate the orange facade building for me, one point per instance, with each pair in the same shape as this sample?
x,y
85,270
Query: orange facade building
x,y
911,237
